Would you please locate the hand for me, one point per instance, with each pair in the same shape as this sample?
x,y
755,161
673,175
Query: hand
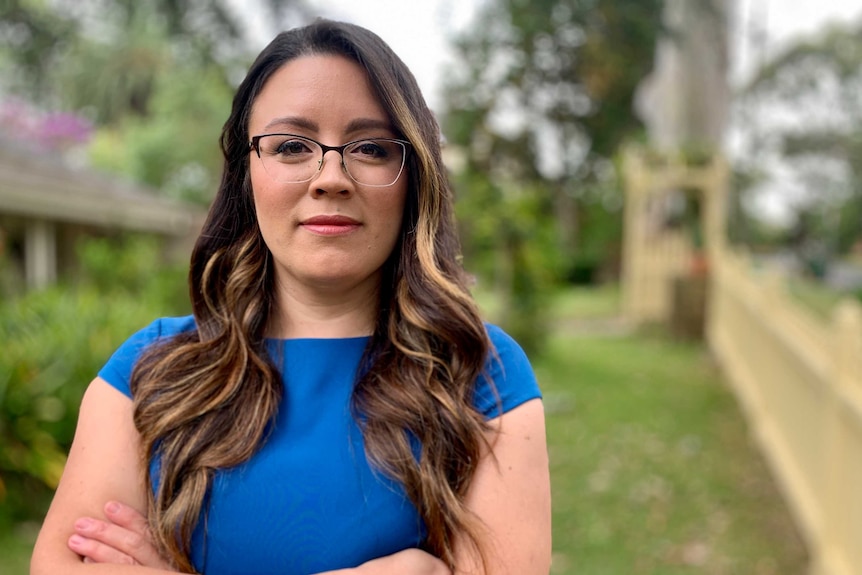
x,y
407,562
124,539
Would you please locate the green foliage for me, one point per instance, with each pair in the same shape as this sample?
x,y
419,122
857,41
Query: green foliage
x,y
803,116
599,219
55,341
108,53
175,150
510,245
541,102
33,35
16,547
156,78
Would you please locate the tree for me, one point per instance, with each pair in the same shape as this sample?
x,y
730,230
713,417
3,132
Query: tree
x,y
118,46
802,130
539,107
156,78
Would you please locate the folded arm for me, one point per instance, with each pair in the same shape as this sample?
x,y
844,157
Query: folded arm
x,y
103,465
510,494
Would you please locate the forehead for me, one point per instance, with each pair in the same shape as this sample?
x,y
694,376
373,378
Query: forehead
x,y
320,92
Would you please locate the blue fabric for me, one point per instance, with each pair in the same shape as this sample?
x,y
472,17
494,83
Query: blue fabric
x,y
309,501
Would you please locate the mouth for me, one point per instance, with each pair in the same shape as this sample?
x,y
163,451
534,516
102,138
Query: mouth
x,y
330,225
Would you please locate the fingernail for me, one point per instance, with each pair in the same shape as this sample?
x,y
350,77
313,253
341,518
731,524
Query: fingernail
x,y
112,507
84,523
76,540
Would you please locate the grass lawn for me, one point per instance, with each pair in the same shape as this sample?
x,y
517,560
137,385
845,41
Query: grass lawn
x,y
652,467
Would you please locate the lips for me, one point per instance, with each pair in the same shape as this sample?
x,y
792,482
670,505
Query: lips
x,y
330,225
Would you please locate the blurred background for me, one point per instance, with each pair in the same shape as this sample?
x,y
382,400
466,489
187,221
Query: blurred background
x,y
660,199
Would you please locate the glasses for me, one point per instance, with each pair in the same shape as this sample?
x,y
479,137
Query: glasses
x,y
292,159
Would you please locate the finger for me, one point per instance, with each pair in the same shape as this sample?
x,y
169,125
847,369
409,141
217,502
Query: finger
x,y
94,551
108,540
135,521
127,517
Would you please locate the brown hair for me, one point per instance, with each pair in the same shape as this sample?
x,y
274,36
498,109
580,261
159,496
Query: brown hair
x,y
203,399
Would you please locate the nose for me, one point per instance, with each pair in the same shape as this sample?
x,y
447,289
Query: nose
x,y
332,178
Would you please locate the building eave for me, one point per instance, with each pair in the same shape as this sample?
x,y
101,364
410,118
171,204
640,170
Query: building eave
x,y
35,189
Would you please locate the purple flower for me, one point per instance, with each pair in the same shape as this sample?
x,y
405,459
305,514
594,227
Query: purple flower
x,y
46,131
63,129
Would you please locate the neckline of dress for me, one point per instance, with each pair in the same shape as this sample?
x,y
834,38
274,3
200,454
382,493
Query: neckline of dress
x,y
356,338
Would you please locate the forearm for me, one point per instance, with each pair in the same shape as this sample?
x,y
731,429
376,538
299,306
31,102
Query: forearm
x,y
52,566
101,568
407,562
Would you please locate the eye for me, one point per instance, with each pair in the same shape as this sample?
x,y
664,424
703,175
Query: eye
x,y
371,150
290,147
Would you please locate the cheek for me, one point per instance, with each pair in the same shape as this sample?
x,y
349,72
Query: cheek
x,y
261,185
394,213
272,198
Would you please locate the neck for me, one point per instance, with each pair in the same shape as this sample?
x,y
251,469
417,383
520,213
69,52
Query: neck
x,y
324,313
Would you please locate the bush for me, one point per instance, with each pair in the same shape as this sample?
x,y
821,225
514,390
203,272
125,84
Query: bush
x,y
54,343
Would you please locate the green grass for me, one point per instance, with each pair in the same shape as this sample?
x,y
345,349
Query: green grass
x,y
583,303
588,303
652,466
653,471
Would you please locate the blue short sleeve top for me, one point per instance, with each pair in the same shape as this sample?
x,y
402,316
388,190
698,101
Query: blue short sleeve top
x,y
309,501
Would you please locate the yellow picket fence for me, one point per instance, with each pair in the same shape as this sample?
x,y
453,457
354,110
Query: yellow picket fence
x,y
797,376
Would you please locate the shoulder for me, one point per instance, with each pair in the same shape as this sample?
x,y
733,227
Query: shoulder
x,y
508,379
164,327
507,358
118,370
160,329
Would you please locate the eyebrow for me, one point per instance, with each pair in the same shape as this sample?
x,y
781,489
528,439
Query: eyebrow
x,y
295,121
354,126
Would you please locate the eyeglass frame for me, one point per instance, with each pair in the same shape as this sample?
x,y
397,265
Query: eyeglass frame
x,y
254,144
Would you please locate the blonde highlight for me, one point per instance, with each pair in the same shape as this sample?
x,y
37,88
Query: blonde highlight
x,y
203,399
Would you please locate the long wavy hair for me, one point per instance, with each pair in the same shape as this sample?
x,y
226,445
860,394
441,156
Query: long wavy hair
x,y
202,400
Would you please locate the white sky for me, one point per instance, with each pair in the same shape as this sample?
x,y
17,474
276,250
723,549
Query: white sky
x,y
418,30
765,26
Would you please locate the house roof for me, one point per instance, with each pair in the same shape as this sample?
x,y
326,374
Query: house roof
x,y
32,187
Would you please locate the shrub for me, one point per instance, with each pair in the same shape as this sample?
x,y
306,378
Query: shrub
x,y
54,343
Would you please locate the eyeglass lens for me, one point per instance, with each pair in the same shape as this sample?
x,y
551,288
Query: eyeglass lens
x,y
291,159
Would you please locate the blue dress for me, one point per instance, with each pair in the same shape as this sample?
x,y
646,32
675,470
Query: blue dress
x,y
309,501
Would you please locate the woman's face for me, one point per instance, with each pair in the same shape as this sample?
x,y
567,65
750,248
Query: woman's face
x,y
329,233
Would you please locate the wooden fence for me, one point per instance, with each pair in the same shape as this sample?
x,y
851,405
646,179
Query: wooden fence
x,y
797,376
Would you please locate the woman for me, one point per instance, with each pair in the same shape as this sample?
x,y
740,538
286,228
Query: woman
x,y
335,404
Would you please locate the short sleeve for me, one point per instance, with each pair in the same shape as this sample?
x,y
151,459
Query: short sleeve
x,y
508,380
118,370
